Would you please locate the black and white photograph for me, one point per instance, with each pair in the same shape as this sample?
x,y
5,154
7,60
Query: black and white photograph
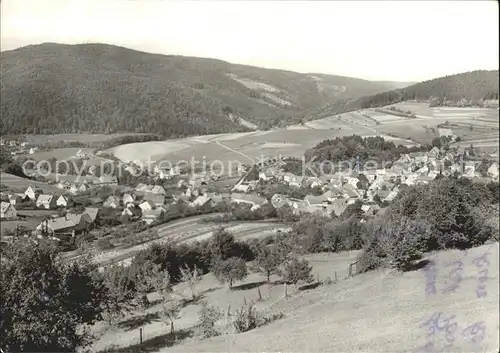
x,y
190,176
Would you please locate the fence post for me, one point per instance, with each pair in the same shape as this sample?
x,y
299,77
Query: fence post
x,y
336,277
285,291
350,271
140,335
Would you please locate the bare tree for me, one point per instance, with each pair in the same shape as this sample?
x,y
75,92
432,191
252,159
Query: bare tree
x,y
191,277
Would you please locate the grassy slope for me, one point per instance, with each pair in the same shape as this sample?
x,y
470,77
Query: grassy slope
x,y
104,88
373,312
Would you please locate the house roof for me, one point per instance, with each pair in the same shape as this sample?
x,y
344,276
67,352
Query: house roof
x,y
339,206
5,206
157,189
76,218
349,191
45,198
200,200
59,223
259,200
112,198
92,212
315,200
147,202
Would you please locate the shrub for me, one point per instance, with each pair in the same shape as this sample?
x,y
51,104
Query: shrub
x,y
295,271
208,316
248,318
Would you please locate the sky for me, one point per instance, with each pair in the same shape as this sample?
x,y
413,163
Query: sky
x,y
374,40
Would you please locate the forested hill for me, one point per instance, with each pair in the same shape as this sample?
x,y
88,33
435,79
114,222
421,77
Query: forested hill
x,y
470,88
55,88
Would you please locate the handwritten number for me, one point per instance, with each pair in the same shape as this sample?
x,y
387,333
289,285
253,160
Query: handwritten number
x,y
475,332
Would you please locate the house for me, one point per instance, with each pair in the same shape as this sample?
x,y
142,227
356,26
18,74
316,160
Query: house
x,y
112,202
132,212
469,170
151,216
370,210
202,201
156,199
316,200
445,132
493,170
80,153
8,211
182,184
419,157
339,206
33,192
63,185
33,150
63,201
157,190
46,201
350,192
142,187
83,222
108,180
353,181
242,187
313,182
279,200
434,152
296,182
16,199
392,195
146,206
78,188
254,200
57,226
92,212
128,198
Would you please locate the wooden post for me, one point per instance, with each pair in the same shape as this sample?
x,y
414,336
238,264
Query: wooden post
x,y
229,310
140,335
286,291
245,300
335,276
260,294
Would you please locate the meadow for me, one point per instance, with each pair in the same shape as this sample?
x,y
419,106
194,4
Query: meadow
x,y
18,184
378,311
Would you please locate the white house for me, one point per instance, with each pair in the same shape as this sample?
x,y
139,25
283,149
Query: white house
x,y
32,192
493,170
46,201
146,206
80,153
62,201
8,211
112,202
128,198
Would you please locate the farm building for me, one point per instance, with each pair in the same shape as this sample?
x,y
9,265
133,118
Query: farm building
x,y
8,211
493,170
46,201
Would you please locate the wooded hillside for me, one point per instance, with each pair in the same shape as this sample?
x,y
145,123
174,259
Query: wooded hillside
x,y
55,88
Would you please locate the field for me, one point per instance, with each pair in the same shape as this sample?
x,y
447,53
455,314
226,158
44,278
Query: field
x,y
41,139
379,311
19,184
245,148
188,230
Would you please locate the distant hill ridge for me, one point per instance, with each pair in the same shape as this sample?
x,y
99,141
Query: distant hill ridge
x,y
56,88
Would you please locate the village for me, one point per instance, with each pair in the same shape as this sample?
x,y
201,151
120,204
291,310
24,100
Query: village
x,y
77,207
